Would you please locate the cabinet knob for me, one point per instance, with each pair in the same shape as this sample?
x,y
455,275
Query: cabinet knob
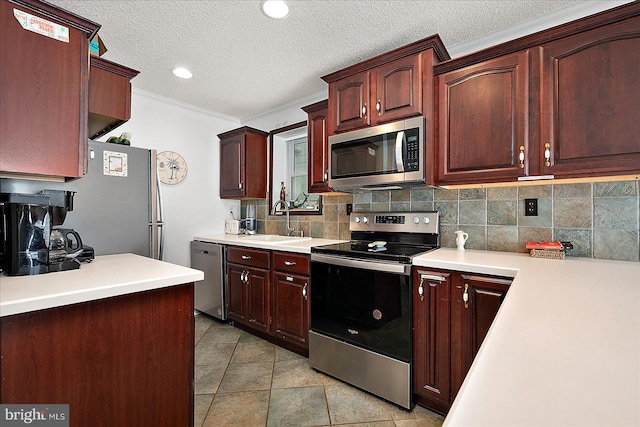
x,y
364,110
521,157
240,185
465,295
289,279
326,175
378,107
547,154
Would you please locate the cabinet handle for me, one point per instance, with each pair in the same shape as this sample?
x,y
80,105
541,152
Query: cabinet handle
x,y
547,154
465,295
246,257
242,275
521,157
304,291
240,185
378,107
421,289
364,110
326,175
289,263
289,279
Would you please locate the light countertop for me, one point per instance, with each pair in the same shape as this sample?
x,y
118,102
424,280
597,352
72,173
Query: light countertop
x,y
292,244
107,276
564,348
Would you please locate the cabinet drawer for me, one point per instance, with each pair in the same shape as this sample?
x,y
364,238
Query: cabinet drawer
x,y
291,263
246,256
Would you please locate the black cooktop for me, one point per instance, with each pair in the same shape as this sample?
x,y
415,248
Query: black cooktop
x,y
392,251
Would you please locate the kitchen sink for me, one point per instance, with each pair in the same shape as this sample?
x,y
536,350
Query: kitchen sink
x,y
274,238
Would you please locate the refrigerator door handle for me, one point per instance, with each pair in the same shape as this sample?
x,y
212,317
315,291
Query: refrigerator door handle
x,y
160,218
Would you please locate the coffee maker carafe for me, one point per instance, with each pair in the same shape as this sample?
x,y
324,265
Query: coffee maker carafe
x,y
28,220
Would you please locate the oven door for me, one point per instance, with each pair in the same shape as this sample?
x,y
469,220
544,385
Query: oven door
x,y
363,302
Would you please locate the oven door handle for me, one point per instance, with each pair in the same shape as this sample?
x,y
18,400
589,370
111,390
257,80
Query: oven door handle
x,y
376,265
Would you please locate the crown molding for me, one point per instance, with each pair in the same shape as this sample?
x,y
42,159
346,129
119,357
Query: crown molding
x,y
181,104
298,103
530,26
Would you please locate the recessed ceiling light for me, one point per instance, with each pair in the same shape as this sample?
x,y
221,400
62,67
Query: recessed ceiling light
x,y
181,72
276,9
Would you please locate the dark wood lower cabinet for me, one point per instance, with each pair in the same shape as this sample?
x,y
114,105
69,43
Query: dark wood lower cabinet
x,y
291,308
270,298
471,317
431,338
248,299
452,313
121,361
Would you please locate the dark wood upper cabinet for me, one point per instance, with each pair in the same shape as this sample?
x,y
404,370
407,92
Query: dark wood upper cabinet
x,y
483,116
317,140
43,92
588,101
349,99
398,89
389,87
565,98
109,96
243,164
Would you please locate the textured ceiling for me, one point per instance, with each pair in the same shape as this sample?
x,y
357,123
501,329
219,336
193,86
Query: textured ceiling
x,y
245,64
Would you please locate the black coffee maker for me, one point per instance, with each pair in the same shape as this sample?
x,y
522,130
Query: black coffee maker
x,y
28,225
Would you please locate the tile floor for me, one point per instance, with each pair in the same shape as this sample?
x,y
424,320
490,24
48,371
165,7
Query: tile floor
x,y
244,381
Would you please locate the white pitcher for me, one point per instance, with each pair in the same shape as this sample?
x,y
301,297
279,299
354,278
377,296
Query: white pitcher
x,y
461,239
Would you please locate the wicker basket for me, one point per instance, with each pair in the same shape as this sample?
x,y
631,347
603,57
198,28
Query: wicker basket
x,y
541,253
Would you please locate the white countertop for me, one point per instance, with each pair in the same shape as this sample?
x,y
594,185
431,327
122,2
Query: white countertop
x,y
564,349
107,276
300,245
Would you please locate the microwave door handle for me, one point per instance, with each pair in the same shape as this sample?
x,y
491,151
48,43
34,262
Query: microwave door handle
x,y
399,144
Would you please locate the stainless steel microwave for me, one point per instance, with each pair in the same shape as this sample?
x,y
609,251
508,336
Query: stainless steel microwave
x,y
380,157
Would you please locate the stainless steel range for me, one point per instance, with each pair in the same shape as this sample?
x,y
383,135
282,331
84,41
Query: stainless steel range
x,y
361,301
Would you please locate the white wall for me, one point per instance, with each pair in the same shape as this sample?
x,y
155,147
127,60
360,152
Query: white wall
x,y
193,206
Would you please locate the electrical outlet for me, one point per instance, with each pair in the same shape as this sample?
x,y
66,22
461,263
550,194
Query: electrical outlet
x,y
349,208
530,207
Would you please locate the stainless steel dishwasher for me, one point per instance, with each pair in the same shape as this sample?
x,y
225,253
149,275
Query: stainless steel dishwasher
x,y
210,293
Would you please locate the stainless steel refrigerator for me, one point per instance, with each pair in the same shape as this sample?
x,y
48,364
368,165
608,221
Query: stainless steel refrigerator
x,y
117,207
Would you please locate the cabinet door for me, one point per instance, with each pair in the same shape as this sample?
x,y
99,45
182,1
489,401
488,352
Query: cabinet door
x,y
348,103
483,114
398,90
475,301
291,308
589,102
109,96
236,293
43,94
259,299
318,144
232,172
431,338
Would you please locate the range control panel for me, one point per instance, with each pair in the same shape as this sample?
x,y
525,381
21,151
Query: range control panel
x,y
401,222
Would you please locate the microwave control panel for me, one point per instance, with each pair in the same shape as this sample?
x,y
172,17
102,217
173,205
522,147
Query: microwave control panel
x,y
412,153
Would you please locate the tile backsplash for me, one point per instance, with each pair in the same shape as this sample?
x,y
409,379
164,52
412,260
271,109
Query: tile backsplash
x,y
600,219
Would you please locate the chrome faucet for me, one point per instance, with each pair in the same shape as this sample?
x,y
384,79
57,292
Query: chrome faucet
x,y
290,230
